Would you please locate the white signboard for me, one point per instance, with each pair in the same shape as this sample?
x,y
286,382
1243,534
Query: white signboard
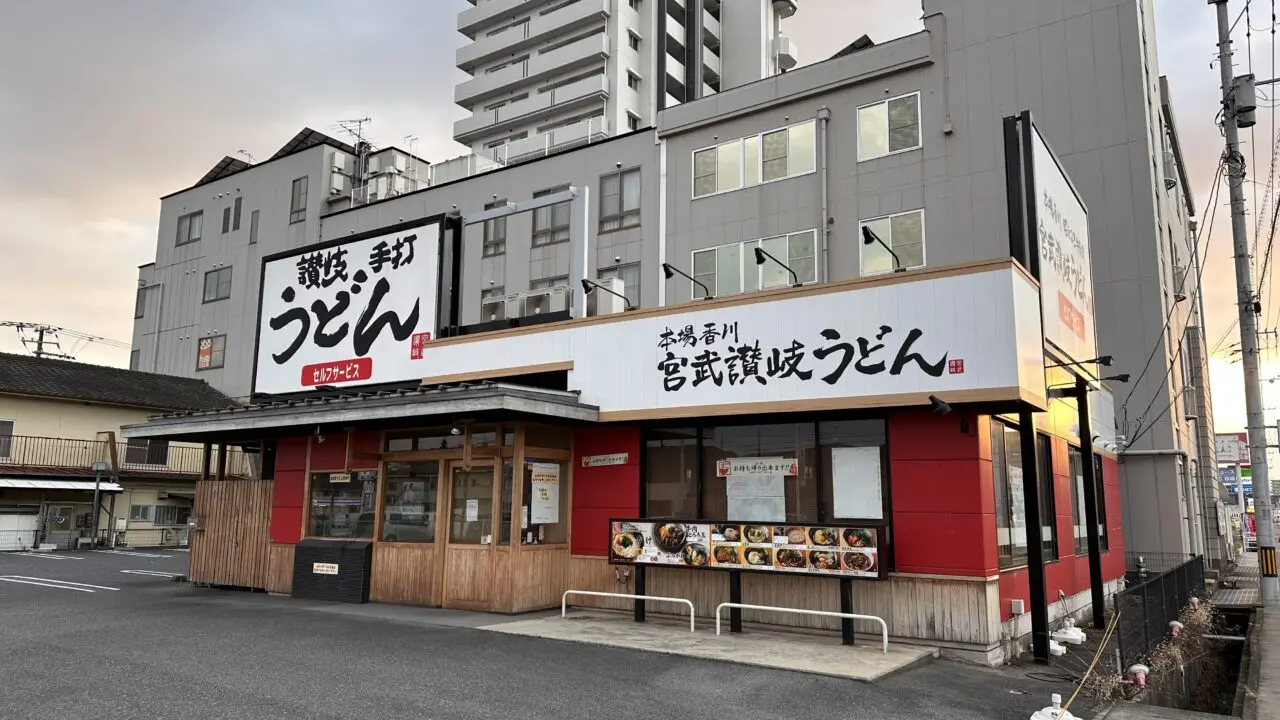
x,y
544,490
352,314
855,483
1066,271
324,569
1231,448
757,466
605,460
941,335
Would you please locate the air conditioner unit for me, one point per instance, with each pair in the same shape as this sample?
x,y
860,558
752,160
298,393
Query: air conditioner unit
x,y
1170,171
785,50
541,302
603,302
338,162
493,309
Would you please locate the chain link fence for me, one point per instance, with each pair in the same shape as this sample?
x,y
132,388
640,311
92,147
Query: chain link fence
x,y
1145,610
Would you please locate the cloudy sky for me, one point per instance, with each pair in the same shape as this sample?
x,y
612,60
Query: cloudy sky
x,y
106,106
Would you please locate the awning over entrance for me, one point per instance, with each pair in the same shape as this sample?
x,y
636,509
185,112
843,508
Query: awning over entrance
x,y
351,406
16,484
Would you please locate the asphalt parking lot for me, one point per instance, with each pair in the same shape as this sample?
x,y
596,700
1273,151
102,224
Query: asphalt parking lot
x,y
109,635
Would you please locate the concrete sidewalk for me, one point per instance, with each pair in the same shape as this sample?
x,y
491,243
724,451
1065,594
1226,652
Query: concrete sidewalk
x,y
798,652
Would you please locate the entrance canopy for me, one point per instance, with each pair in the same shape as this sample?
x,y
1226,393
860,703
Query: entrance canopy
x,y
367,408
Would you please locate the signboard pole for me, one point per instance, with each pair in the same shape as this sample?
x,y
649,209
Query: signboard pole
x,y
735,596
846,607
1091,518
639,608
1035,541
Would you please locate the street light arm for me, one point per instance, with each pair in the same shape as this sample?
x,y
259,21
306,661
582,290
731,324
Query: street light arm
x,y
668,269
869,236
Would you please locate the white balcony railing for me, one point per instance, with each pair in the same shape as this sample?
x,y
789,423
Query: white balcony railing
x,y
538,105
580,133
539,28
537,67
476,18
710,64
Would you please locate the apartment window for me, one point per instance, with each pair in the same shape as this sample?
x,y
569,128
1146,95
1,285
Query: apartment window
x,y
226,220
211,352
6,438
135,359
620,200
140,304
904,233
495,232
633,81
217,284
889,127
146,452
551,223
142,513
189,227
633,121
633,40
1011,516
635,4
547,283
298,201
774,155
253,227
174,515
235,214
732,269
630,277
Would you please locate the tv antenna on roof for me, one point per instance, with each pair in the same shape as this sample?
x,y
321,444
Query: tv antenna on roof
x,y
355,128
44,341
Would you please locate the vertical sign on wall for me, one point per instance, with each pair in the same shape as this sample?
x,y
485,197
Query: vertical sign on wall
x,y
204,355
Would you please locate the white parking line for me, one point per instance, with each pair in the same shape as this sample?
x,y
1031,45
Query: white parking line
x,y
131,554
50,582
45,556
151,573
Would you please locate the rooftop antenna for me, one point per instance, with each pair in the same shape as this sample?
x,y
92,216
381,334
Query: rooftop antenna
x,y
355,128
411,143
44,341
248,155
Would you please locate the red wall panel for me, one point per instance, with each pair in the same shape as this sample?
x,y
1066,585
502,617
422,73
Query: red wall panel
x,y
291,453
330,454
600,493
288,490
943,502
365,441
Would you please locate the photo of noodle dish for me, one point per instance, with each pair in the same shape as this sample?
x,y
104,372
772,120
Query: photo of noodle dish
x,y
726,555
787,558
758,557
669,537
858,562
822,560
756,534
727,533
695,554
859,537
627,544
825,537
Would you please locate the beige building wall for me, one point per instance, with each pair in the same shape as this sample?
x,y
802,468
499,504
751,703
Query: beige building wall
x,y
44,417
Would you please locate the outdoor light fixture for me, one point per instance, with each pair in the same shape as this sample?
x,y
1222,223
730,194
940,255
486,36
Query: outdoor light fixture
x,y
1103,360
455,430
1122,378
869,237
670,271
939,405
761,255
589,285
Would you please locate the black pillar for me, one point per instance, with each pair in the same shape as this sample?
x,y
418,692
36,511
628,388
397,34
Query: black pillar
x,y
1035,544
846,606
735,596
1091,506
639,604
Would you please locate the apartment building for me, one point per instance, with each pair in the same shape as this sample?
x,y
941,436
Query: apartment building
x,y
549,72
888,165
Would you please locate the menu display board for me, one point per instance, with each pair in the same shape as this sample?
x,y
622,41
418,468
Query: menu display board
x,y
829,550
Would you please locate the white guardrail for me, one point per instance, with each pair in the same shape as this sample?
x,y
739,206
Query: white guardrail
x,y
564,602
884,629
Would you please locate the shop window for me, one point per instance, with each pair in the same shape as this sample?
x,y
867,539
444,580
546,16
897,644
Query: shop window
x,y
1048,508
508,485
1100,493
471,517
545,514
409,501
764,498
671,473
731,269
840,473
889,127
343,504
1011,517
903,233
484,437
429,439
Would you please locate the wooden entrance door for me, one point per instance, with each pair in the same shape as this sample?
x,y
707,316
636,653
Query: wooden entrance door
x,y
471,508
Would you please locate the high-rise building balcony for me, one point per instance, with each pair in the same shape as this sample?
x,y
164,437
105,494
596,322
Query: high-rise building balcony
x,y
538,29
584,52
562,99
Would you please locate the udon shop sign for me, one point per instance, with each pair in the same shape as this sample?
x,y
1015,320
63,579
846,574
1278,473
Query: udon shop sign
x,y
353,313
961,332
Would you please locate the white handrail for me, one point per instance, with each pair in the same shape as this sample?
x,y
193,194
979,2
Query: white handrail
x,y
884,629
564,600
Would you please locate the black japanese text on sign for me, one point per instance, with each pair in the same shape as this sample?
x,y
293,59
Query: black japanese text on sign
x,y
326,268
716,353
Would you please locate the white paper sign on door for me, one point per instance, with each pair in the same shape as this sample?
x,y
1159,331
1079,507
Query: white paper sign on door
x,y
473,510
544,489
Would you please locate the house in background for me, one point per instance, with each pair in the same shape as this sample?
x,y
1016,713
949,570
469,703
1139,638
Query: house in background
x,y
59,423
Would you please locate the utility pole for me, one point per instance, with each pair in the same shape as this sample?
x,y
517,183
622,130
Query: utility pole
x,y
1254,419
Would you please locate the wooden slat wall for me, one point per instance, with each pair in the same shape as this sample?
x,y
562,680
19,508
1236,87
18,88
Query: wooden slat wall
x,y
404,573
470,578
961,611
540,578
231,549
279,576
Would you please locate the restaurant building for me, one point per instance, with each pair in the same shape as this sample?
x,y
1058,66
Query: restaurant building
x,y
727,342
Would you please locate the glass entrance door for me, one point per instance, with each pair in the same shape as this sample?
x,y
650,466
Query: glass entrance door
x,y
471,506
470,544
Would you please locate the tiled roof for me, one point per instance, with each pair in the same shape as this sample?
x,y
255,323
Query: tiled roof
x,y
67,380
